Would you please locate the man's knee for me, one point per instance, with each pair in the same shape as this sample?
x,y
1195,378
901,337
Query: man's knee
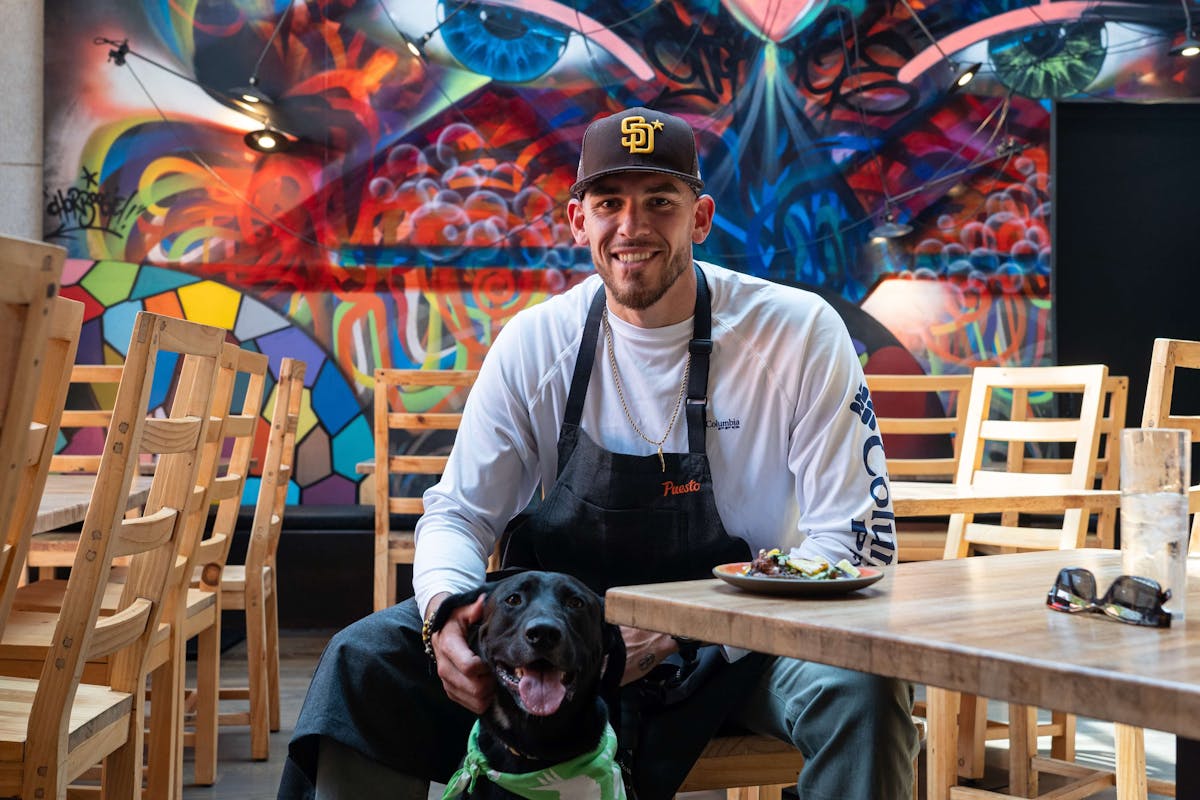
x,y
840,701
343,773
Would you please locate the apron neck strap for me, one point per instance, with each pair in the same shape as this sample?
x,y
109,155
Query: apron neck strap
x,y
700,348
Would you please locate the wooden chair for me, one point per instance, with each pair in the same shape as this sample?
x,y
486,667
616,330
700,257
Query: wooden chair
x,y
754,767
1168,356
1129,772
62,339
423,394
238,426
922,443
27,296
1002,442
53,727
936,413
252,587
192,613
748,767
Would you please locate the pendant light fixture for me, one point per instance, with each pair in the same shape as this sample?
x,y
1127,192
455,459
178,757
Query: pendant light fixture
x,y
960,73
1189,47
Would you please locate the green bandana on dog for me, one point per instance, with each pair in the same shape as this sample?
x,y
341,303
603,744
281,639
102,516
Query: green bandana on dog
x,y
591,776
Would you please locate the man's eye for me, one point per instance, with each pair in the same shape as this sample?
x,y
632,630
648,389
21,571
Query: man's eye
x,y
513,599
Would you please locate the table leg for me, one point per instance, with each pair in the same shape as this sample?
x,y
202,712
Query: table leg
x,y
941,744
1187,776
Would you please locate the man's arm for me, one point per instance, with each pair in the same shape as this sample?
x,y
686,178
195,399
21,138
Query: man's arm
x,y
490,475
836,454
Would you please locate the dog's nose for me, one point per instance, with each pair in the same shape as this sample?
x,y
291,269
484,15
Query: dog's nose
x,y
542,633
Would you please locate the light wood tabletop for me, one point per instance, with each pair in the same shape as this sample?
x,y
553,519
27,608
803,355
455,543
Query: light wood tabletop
x,y
920,498
66,496
977,625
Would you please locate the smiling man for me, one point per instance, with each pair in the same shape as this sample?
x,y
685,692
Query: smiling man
x,y
675,415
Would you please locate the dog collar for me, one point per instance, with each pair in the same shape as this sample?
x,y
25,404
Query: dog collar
x,y
591,776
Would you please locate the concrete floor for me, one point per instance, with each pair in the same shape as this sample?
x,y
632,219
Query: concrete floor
x,y
239,778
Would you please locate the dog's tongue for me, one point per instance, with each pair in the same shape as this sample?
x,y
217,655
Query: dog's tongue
x,y
542,690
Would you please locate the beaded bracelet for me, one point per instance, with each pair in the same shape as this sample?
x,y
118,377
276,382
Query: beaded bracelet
x,y
427,638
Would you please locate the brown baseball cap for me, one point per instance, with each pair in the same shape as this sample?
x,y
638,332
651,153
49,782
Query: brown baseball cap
x,y
638,140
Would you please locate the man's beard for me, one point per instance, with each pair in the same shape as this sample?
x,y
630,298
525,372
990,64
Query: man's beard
x,y
640,296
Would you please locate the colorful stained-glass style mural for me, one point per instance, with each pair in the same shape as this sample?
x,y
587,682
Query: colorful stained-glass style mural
x,y
420,199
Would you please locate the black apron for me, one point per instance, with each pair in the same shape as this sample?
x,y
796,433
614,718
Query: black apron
x,y
615,519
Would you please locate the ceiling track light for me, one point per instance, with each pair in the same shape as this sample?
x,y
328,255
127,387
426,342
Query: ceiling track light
x,y
417,46
960,74
252,97
890,228
267,140
1189,47
963,74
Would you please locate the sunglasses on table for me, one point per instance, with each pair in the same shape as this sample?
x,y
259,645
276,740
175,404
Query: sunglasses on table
x,y
1132,599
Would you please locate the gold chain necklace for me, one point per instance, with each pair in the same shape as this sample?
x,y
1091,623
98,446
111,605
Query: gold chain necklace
x,y
612,360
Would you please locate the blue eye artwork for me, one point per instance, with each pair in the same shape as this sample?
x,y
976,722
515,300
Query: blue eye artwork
x,y
507,44
1050,60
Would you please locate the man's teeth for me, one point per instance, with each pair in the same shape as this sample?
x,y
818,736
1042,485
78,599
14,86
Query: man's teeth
x,y
629,258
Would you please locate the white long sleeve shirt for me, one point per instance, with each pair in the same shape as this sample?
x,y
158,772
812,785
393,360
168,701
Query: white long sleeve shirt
x,y
795,452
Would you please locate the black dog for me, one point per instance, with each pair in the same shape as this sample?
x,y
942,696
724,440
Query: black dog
x,y
544,637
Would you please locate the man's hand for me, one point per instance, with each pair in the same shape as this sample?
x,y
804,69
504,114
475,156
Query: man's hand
x,y
644,650
467,680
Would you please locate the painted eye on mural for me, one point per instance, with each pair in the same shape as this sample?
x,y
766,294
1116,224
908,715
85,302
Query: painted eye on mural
x,y
1049,61
1063,58
507,44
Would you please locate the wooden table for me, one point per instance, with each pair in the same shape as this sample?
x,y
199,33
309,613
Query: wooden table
x,y
977,625
919,499
65,499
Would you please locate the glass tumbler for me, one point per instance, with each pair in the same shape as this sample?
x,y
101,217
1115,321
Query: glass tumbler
x,y
1155,474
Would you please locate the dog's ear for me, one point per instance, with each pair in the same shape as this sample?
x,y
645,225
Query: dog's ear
x,y
453,602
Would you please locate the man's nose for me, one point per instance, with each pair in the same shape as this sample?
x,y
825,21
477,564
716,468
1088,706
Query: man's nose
x,y
633,221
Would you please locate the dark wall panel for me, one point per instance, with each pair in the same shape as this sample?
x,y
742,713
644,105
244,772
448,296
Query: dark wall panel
x,y
1126,182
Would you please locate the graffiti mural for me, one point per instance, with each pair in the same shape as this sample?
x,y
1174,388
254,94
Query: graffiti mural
x,y
419,200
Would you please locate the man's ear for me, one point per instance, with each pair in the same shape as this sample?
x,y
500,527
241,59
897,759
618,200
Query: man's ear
x,y
575,217
702,220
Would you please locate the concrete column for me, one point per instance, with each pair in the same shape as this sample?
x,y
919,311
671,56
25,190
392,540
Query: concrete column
x,y
21,64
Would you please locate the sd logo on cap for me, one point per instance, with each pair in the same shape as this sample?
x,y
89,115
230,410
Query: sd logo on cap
x,y
638,140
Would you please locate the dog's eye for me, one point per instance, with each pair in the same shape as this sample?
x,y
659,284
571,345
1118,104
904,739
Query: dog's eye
x,y
574,601
513,599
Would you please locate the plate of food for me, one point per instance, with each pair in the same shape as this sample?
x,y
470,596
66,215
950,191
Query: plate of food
x,y
776,572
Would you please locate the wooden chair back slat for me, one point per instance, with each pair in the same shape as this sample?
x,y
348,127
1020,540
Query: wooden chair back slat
x,y
409,401
137,534
444,422
119,630
162,436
